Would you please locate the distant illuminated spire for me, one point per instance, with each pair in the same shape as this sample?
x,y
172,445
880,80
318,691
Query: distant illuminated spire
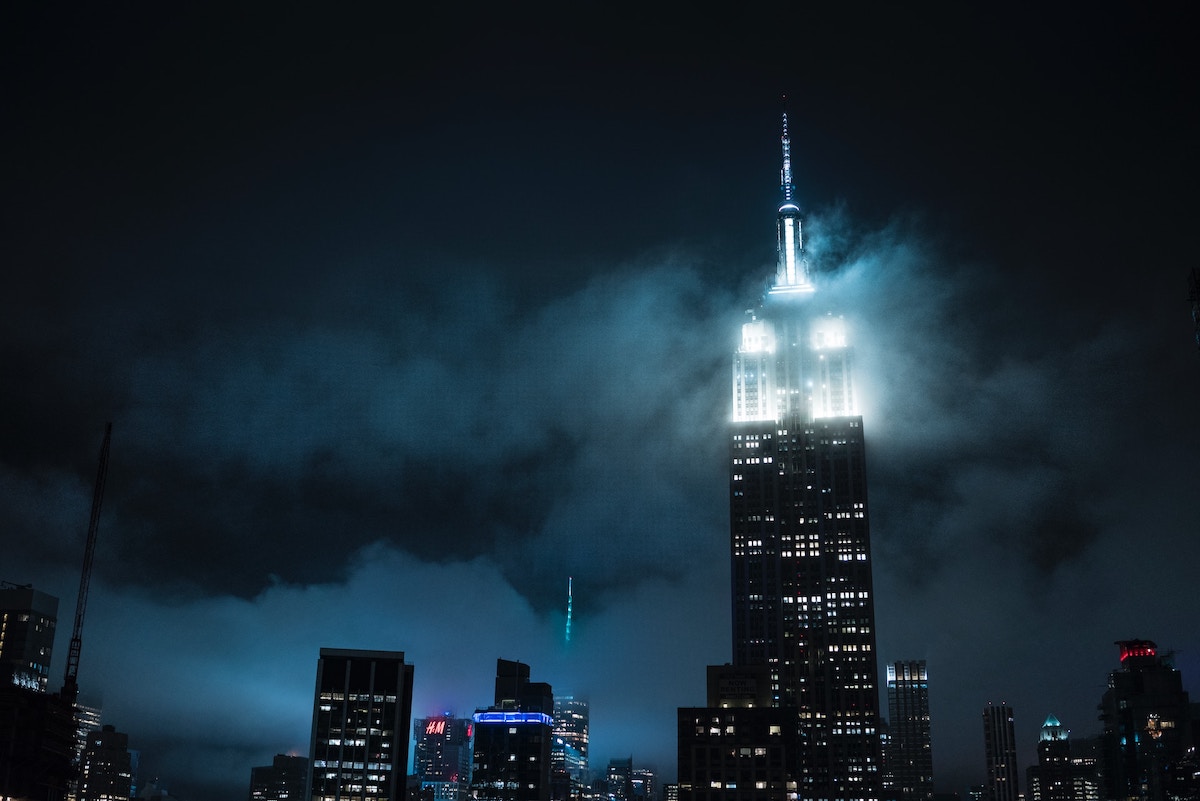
x,y
569,582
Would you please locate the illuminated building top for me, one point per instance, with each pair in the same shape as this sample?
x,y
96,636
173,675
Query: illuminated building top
x,y
792,362
1052,730
1136,648
514,718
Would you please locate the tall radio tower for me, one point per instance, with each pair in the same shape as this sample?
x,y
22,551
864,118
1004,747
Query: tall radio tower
x,y
569,588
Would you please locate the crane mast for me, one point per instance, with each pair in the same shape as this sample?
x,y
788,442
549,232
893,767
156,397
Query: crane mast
x,y
70,690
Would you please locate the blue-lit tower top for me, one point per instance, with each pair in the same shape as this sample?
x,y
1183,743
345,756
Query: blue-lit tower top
x,y
791,274
792,361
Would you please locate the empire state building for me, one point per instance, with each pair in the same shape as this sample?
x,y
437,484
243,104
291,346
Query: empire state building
x,y
803,602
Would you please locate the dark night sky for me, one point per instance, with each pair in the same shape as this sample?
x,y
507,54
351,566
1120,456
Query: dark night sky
x,y
402,318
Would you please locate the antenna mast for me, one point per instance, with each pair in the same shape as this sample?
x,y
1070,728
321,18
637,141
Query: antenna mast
x,y
785,174
569,582
70,690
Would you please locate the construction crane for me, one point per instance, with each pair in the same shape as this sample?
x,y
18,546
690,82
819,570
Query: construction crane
x,y
70,690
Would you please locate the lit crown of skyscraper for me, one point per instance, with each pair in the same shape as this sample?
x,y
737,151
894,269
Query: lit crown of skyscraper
x,y
792,361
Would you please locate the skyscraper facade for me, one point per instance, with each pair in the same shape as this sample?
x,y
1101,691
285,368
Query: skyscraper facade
x,y
511,760
741,746
283,780
106,772
27,625
1147,728
1050,779
569,748
1060,775
361,714
619,779
1000,753
645,785
442,756
802,592
908,755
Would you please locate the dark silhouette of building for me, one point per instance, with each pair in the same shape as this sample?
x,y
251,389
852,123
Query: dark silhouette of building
x,y
512,739
1147,728
442,757
37,744
741,747
803,596
37,749
1000,754
908,754
27,625
1059,774
154,791
619,779
361,715
283,780
644,784
106,770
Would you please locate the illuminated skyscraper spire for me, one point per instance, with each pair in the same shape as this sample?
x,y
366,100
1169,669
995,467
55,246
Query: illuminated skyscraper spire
x,y
570,580
791,273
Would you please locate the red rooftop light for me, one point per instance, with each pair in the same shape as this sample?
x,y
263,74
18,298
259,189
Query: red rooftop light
x,y
1137,648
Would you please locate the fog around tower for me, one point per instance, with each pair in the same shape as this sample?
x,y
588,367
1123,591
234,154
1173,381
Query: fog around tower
x,y
427,479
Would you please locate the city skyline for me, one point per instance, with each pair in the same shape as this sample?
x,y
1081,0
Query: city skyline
x,y
423,315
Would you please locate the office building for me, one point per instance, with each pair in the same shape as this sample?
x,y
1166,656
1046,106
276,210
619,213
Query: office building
x,y
37,745
619,779
1148,728
1061,775
27,624
802,592
570,747
1049,779
569,767
644,784
87,720
362,710
106,770
908,752
740,747
511,760
1000,754
442,757
283,780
